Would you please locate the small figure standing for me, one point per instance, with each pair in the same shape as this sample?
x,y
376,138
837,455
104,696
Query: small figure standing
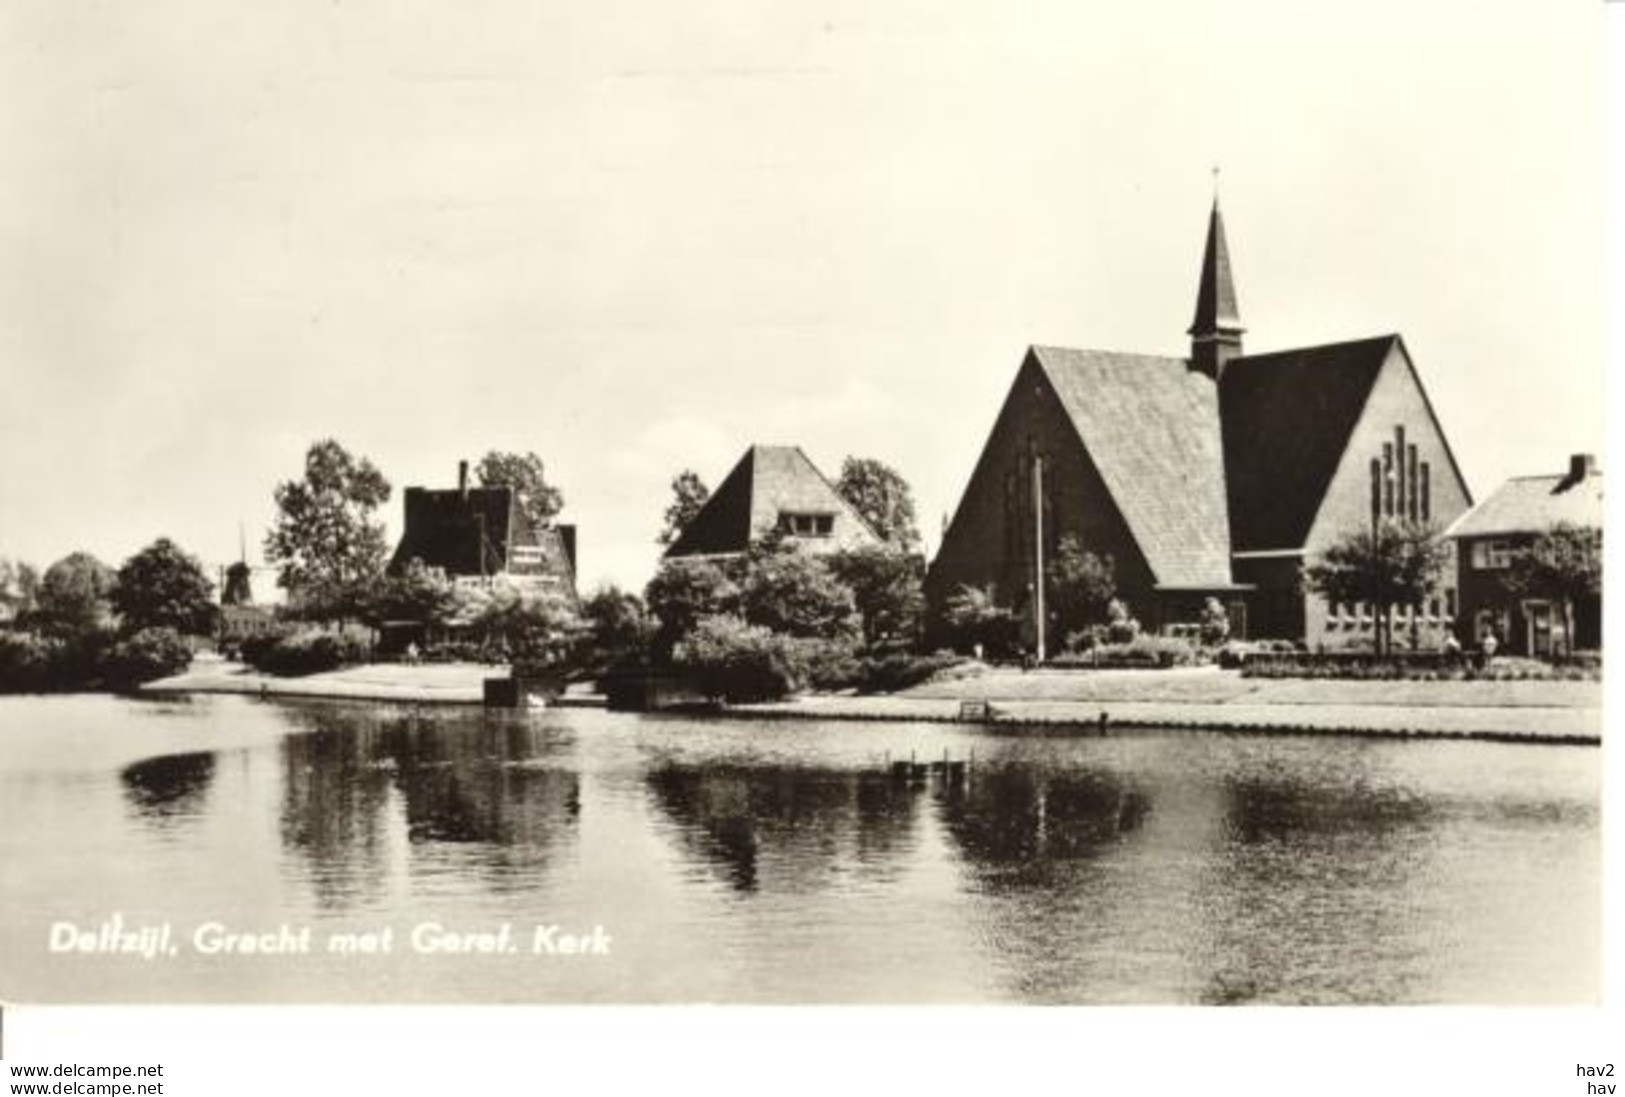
x,y
1488,646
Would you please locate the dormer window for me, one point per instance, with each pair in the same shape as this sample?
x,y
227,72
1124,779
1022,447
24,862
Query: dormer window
x,y
802,524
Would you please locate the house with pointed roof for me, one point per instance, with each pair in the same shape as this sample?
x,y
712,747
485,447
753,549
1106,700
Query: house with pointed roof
x,y
773,490
478,535
1219,474
1490,536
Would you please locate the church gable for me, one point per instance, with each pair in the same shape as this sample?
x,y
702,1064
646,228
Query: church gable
x,y
1396,455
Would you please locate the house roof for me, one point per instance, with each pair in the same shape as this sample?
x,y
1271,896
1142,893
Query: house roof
x,y
767,481
474,532
1287,419
466,534
1533,504
1151,427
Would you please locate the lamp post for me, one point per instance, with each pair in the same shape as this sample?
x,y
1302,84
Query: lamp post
x,y
1382,484
1038,555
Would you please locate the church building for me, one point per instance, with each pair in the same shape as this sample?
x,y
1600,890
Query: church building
x,y
1221,474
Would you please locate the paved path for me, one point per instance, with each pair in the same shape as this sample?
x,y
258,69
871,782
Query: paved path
x,y
434,683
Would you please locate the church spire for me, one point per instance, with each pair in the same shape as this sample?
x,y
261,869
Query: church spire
x,y
1216,331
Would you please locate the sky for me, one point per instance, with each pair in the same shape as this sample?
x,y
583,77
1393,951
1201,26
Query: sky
x,y
637,237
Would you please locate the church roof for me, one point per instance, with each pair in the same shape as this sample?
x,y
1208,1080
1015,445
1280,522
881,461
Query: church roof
x,y
1287,420
1151,427
768,481
1533,504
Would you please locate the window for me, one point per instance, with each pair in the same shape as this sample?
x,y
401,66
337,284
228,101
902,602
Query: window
x,y
1492,555
807,525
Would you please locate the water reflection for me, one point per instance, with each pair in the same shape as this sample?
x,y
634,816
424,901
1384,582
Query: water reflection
x,y
791,866
809,823
1310,872
169,787
482,796
1017,824
1274,809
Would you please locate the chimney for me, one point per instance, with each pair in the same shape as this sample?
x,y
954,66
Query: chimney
x,y
462,480
1581,465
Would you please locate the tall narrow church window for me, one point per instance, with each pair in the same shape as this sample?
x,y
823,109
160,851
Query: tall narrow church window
x,y
1411,507
1399,472
1388,479
1427,492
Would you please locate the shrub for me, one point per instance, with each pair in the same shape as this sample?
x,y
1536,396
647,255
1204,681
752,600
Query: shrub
x,y
733,661
1411,666
974,616
1121,628
827,664
308,651
147,655
33,663
1143,651
1235,653
1581,660
1215,623
25,662
900,671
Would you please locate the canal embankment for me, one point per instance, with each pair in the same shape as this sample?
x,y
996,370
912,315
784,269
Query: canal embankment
x,y
1208,698
1064,701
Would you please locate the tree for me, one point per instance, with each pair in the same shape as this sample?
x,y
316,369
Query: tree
x,y
618,626
882,497
330,548
1399,566
1080,585
418,593
887,588
537,626
523,472
75,596
1563,565
19,588
795,593
689,496
682,592
162,587
733,661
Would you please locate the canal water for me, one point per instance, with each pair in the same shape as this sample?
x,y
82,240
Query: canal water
x,y
251,851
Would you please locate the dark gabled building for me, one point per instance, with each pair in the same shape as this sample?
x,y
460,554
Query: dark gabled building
x,y
773,489
1488,537
477,535
1215,475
